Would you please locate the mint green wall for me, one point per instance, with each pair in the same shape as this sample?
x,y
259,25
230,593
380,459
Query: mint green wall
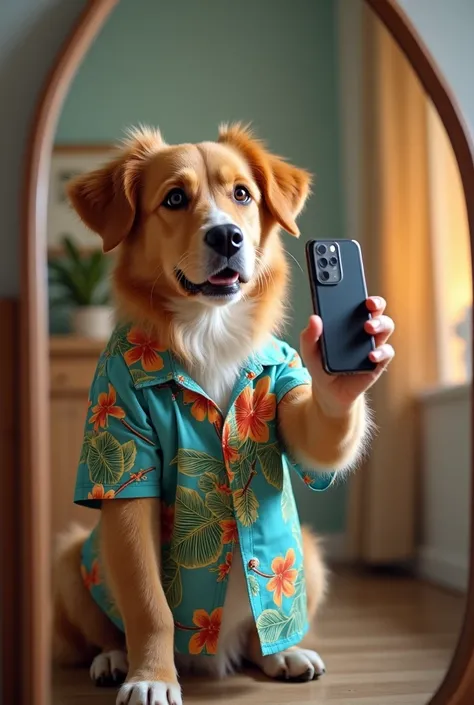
x,y
188,66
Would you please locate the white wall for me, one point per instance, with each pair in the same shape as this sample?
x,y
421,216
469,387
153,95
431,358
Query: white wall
x,y
447,27
445,431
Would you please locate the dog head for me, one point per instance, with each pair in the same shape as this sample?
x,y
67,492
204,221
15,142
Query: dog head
x,y
196,219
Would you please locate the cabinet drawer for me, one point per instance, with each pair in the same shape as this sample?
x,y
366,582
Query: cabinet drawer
x,y
72,375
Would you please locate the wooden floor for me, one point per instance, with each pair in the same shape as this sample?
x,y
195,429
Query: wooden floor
x,y
385,641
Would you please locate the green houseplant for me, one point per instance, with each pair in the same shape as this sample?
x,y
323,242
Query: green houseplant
x,y
80,282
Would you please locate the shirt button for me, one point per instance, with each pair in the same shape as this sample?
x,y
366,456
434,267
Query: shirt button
x,y
253,563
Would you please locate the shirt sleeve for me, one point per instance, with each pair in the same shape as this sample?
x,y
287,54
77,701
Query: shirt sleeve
x,y
120,456
291,374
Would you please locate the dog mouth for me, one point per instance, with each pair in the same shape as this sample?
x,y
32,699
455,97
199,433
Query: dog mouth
x,y
225,282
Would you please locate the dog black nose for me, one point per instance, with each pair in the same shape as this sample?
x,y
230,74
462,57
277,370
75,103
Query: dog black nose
x,y
225,239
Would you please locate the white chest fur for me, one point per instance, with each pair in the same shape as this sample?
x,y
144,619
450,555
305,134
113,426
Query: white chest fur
x,y
218,340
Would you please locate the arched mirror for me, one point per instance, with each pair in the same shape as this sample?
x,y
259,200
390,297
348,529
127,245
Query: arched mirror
x,y
342,90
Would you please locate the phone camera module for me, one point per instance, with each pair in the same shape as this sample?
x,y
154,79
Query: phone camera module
x,y
333,261
322,262
321,249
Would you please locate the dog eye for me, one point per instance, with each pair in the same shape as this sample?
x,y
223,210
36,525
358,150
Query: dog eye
x,y
241,195
176,199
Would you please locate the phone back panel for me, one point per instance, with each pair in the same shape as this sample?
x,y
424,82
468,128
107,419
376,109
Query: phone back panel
x,y
345,344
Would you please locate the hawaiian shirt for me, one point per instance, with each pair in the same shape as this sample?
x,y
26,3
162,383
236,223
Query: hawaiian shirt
x,y
151,431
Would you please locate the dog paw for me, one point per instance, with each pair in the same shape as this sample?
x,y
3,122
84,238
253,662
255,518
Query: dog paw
x,y
294,665
149,693
109,668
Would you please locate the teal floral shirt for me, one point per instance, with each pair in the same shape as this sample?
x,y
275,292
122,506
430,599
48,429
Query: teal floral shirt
x,y
151,431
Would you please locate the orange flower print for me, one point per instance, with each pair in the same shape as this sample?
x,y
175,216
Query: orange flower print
x,y
295,361
224,568
218,424
167,522
92,578
283,581
201,407
229,531
98,492
145,350
307,479
229,453
225,489
209,626
104,408
253,409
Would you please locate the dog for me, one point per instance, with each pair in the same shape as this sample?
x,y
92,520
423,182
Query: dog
x,y
196,416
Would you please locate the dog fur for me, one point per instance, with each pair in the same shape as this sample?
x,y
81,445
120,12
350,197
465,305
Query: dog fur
x,y
123,203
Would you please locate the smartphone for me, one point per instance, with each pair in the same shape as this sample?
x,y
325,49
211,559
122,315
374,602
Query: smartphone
x,y
339,296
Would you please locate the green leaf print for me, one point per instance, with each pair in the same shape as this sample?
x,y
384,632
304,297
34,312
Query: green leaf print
x,y
209,481
102,364
139,376
105,459
254,586
271,624
197,533
88,436
172,583
220,504
298,606
196,462
296,533
270,462
248,451
288,506
118,343
129,450
231,422
246,506
247,470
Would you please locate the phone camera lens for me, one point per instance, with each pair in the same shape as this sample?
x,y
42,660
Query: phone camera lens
x,y
333,261
323,262
325,275
321,249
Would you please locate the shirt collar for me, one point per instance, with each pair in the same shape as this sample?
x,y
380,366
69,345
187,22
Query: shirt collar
x,y
172,370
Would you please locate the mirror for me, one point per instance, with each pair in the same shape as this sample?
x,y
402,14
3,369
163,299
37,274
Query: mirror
x,y
333,93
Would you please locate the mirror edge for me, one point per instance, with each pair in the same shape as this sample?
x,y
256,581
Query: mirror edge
x,y
457,685
34,679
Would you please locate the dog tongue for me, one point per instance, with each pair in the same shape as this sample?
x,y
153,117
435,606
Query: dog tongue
x,y
222,280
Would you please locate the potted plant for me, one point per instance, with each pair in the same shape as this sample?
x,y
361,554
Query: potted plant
x,y
80,281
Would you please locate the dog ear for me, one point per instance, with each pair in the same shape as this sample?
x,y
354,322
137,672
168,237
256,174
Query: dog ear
x,y
106,199
284,187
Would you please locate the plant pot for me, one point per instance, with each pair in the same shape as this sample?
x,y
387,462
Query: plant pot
x,y
95,322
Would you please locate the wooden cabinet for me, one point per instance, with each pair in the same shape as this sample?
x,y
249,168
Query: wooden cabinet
x,y
73,363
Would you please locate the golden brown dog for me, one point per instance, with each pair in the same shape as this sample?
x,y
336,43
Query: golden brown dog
x,y
200,264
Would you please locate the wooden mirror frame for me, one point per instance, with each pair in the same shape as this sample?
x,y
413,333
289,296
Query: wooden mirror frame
x,y
26,677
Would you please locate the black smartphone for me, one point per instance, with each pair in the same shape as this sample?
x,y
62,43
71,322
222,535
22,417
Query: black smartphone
x,y
339,296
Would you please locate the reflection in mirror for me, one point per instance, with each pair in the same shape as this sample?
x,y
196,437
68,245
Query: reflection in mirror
x,y
324,85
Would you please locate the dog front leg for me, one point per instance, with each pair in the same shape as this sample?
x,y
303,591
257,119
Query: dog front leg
x,y
318,439
130,546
